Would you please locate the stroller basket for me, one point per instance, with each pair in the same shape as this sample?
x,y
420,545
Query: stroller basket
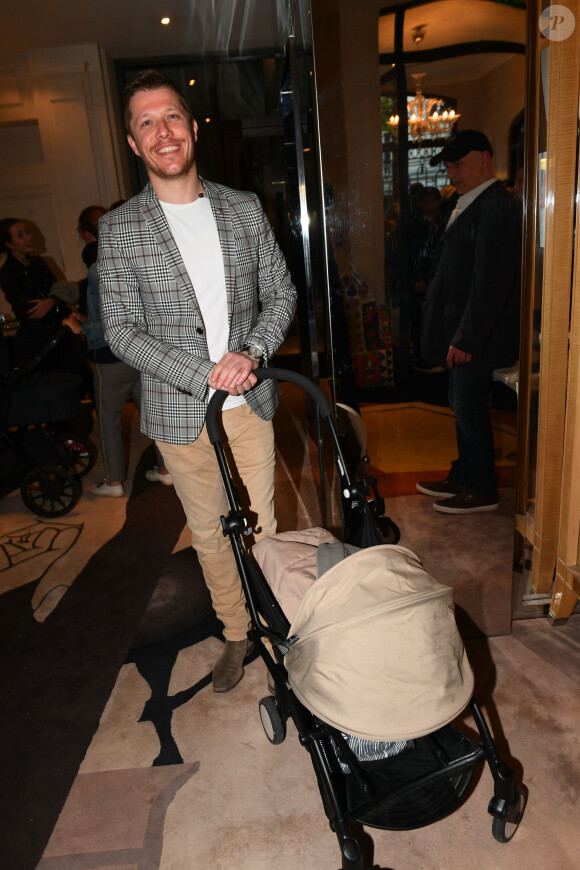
x,y
418,787
430,777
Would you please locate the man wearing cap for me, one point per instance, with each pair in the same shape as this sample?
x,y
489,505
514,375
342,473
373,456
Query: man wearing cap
x,y
471,316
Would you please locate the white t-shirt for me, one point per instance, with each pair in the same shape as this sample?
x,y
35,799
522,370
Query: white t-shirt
x,y
195,232
464,201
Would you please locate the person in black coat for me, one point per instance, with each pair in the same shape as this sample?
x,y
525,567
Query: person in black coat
x,y
31,289
471,315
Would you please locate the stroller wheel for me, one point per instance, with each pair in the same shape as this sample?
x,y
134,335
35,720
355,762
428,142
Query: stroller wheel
x,y
389,530
50,491
272,722
504,829
75,453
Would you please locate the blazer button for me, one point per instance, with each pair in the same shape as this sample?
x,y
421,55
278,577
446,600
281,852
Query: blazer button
x,y
199,330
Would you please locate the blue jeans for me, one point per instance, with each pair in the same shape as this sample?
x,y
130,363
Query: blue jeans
x,y
469,399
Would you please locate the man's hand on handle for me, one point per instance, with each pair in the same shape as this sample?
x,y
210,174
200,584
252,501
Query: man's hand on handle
x,y
234,373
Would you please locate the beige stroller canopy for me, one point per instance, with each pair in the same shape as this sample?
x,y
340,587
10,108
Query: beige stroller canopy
x,y
379,655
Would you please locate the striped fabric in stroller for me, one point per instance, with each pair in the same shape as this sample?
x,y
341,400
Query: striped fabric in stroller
x,y
378,654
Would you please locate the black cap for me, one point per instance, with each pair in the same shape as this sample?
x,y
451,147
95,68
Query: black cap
x,y
460,144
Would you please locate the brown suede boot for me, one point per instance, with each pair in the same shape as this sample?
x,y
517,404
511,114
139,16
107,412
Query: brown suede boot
x,y
228,670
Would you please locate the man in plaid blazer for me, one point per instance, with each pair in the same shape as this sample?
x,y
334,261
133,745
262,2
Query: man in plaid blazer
x,y
195,294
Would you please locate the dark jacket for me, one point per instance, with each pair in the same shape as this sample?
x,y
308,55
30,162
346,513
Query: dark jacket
x,y
21,284
473,300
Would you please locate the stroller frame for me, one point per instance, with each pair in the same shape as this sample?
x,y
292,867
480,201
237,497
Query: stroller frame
x,y
357,798
51,487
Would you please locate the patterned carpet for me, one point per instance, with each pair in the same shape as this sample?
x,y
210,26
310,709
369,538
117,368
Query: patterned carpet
x,y
119,755
58,673
79,597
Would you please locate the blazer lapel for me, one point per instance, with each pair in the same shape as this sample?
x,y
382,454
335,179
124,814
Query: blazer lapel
x,y
153,214
221,213
468,213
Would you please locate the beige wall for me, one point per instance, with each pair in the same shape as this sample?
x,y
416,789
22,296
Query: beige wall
x,y
60,144
491,104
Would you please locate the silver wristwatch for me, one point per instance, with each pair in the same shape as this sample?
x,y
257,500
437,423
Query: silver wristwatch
x,y
254,351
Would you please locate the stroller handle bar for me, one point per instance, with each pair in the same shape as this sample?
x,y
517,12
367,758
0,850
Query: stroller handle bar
x,y
19,375
274,374
59,336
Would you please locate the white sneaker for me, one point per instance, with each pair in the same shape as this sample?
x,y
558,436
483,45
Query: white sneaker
x,y
103,488
154,476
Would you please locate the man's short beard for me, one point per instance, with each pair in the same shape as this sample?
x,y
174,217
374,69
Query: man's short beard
x,y
150,166
166,176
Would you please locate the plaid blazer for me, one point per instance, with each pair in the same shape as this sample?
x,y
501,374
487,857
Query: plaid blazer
x,y
152,319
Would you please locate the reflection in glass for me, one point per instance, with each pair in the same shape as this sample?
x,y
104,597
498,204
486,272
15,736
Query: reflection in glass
x,y
445,56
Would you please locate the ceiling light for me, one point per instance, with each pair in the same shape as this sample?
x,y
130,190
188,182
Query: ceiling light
x,y
192,82
166,20
418,33
427,118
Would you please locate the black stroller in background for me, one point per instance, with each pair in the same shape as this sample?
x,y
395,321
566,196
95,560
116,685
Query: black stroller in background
x,y
417,770
47,464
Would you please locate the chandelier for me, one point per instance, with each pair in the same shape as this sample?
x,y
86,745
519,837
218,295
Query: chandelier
x,y
426,118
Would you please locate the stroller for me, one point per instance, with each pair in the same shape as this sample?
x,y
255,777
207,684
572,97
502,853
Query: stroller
x,y
371,671
49,465
352,436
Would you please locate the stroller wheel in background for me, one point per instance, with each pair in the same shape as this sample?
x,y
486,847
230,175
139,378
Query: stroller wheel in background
x,y
75,453
504,829
50,491
388,529
272,721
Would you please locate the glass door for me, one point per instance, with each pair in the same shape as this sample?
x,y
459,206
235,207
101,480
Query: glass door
x,y
546,446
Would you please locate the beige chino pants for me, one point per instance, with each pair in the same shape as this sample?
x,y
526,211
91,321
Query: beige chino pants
x,y
198,484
